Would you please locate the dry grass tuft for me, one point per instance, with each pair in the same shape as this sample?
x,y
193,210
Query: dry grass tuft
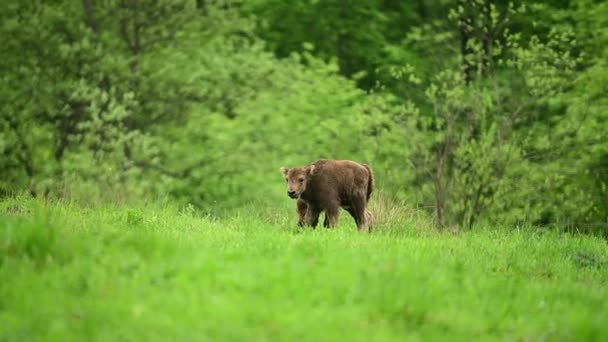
x,y
392,215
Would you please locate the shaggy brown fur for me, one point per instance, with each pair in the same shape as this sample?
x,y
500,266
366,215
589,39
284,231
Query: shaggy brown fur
x,y
328,185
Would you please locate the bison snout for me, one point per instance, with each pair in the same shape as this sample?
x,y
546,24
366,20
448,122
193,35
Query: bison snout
x,y
291,194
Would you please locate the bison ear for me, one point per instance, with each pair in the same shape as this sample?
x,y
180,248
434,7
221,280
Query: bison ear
x,y
311,170
284,170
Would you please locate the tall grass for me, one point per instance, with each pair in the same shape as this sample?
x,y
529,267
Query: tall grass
x,y
159,272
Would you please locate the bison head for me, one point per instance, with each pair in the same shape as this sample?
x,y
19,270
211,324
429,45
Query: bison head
x,y
297,178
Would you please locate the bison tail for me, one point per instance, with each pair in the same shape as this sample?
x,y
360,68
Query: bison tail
x,y
370,182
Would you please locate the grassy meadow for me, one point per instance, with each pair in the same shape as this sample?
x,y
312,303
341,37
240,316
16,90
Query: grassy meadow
x,y
69,272
485,117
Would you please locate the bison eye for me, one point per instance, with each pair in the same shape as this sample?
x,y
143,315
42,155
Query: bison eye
x,y
301,180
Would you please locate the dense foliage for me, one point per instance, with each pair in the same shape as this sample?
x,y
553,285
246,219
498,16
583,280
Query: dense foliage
x,y
477,111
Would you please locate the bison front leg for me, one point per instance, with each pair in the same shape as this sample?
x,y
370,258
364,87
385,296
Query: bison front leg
x,y
307,214
312,216
302,209
332,216
325,222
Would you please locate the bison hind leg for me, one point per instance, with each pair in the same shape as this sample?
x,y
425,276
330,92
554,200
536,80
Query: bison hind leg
x,y
359,211
351,211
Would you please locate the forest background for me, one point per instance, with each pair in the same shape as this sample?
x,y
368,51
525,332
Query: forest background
x,y
477,112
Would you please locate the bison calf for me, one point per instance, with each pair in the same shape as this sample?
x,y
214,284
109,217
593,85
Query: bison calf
x,y
328,185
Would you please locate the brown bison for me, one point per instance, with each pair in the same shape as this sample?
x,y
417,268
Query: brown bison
x,y
328,185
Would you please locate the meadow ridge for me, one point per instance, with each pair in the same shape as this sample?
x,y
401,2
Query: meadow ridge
x,y
158,273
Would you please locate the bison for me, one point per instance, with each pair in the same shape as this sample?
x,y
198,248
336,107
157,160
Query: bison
x,y
328,185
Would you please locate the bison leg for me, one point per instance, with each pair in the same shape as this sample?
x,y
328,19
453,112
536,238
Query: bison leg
x,y
359,205
302,208
313,216
332,216
326,222
307,216
352,213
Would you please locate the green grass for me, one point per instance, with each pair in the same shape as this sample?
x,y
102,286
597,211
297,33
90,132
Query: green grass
x,y
107,274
